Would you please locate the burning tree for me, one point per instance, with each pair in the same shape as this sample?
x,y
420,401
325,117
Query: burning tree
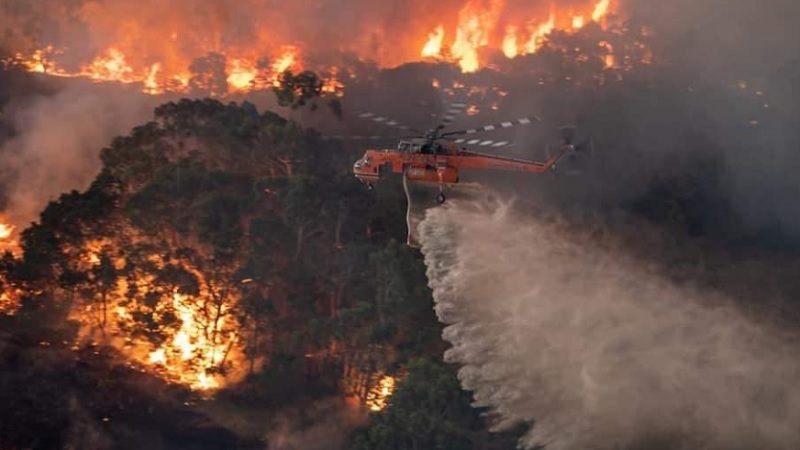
x,y
212,236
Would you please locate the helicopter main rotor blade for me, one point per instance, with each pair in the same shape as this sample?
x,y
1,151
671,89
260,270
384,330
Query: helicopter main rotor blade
x,y
452,112
385,121
497,126
483,143
361,138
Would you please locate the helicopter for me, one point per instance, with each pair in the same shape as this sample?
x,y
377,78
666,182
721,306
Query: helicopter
x,y
437,157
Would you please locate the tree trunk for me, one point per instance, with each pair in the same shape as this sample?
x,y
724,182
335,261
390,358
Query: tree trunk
x,y
339,223
104,297
299,245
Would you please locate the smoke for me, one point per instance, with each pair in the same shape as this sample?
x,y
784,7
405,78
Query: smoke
x,y
84,431
322,425
58,141
754,124
555,325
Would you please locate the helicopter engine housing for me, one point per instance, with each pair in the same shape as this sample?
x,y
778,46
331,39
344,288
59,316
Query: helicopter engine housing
x,y
429,174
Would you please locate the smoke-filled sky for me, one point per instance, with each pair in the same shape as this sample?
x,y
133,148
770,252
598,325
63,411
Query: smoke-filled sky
x,y
696,44
59,141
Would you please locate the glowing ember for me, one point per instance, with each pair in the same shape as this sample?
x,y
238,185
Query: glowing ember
x,y
378,398
609,61
9,301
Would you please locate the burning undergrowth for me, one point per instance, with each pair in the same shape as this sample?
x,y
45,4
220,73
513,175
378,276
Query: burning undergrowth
x,y
204,252
151,257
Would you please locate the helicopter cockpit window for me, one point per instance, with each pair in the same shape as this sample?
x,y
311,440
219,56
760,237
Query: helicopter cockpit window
x,y
404,147
361,162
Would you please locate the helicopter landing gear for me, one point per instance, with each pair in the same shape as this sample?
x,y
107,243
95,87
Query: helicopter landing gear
x,y
440,198
370,186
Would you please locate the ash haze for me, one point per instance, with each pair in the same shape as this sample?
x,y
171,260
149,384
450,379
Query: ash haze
x,y
754,45
57,143
597,349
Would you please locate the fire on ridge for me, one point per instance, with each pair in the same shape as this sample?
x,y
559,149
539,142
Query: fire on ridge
x,y
161,56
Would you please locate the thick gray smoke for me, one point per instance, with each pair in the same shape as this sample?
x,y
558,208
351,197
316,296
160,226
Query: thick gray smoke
x,y
598,349
58,143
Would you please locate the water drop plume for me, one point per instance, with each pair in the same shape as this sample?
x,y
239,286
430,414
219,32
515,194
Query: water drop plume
x,y
597,349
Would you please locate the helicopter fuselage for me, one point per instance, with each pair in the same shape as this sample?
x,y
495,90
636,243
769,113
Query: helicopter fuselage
x,y
440,168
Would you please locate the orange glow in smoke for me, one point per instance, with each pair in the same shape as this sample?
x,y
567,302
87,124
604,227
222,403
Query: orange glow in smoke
x,y
159,53
480,28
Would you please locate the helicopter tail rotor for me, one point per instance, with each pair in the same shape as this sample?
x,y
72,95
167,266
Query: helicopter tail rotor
x,y
576,159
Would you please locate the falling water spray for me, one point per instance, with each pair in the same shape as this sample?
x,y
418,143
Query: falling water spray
x,y
596,349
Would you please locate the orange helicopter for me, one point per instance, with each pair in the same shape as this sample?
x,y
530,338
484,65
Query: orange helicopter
x,y
437,157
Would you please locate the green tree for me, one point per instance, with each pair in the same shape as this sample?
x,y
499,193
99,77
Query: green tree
x,y
430,411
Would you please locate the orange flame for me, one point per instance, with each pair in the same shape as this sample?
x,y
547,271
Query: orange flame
x,y
6,231
433,46
539,35
200,348
609,60
191,344
510,42
473,32
110,67
478,25
378,397
159,56
600,11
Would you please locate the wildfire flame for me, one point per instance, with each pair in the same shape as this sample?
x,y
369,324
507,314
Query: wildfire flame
x,y
198,343
601,10
6,231
433,46
243,73
9,295
479,24
164,57
378,398
191,345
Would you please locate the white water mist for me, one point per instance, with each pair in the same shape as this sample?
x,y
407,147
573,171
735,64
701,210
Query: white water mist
x,y
596,349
